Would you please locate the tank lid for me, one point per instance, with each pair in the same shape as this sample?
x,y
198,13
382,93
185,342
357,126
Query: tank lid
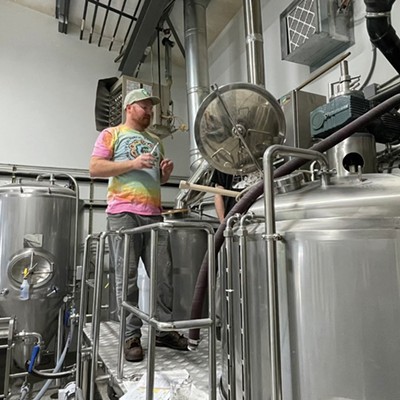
x,y
35,187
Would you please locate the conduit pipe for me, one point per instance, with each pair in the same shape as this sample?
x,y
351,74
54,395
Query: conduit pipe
x,y
381,32
197,76
253,194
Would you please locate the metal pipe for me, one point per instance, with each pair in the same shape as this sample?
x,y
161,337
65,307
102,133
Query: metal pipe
x,y
197,75
212,342
82,311
122,318
152,330
96,309
254,42
175,35
271,237
244,311
227,277
10,346
60,335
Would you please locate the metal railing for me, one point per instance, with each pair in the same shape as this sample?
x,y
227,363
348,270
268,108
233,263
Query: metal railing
x,y
91,351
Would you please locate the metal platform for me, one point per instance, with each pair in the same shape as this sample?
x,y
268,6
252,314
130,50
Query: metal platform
x,y
194,362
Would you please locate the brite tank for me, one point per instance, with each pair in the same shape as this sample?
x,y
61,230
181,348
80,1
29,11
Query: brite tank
x,y
338,269
36,236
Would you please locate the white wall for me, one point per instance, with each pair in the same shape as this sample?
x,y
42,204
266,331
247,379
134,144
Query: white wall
x,y
48,89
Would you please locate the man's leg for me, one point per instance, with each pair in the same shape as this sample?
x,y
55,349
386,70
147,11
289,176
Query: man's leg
x,y
133,350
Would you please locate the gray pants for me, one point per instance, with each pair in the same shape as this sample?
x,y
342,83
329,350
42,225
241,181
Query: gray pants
x,y
139,247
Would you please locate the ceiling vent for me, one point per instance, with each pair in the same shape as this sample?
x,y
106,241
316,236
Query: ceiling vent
x,y
315,31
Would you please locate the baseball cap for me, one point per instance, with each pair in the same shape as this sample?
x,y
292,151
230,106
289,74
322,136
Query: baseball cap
x,y
139,94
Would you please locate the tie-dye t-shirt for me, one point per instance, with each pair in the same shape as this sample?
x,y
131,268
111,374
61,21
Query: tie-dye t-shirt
x,y
136,191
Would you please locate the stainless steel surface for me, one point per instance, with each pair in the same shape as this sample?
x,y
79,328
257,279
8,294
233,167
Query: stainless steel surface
x,y
272,273
37,232
188,249
357,150
296,106
339,293
197,75
227,312
234,126
289,183
254,42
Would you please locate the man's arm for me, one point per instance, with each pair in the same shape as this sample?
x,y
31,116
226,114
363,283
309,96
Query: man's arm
x,y
219,205
103,168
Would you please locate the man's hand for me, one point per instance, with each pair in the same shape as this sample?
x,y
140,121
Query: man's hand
x,y
166,167
145,160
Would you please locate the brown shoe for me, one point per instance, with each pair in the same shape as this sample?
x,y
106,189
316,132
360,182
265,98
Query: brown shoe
x,y
133,350
173,340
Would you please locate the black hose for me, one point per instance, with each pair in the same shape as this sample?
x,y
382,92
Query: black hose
x,y
381,32
253,194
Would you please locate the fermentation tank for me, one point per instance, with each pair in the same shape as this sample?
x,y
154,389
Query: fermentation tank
x,y
37,239
338,265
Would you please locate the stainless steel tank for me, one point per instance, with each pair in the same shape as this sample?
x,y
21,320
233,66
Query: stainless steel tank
x,y
188,248
339,289
37,233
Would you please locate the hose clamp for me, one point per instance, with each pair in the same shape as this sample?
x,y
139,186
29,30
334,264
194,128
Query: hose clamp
x,y
385,14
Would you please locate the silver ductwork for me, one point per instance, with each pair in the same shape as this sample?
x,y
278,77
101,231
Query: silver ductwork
x,y
254,42
196,66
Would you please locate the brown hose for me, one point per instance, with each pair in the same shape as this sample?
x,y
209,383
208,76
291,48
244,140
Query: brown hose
x,y
253,194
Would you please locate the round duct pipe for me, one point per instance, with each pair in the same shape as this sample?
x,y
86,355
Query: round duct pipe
x,y
196,67
254,42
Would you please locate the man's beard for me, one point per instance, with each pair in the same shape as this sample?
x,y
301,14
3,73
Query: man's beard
x,y
145,122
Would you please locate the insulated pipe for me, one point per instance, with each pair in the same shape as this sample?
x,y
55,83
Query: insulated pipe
x,y
197,76
254,42
253,194
381,32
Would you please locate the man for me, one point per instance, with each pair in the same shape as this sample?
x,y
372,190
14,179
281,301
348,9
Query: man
x,y
133,159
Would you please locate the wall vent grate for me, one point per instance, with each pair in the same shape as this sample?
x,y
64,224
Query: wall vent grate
x,y
315,31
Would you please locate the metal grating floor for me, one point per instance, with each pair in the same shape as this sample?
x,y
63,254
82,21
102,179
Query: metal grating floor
x,y
196,363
